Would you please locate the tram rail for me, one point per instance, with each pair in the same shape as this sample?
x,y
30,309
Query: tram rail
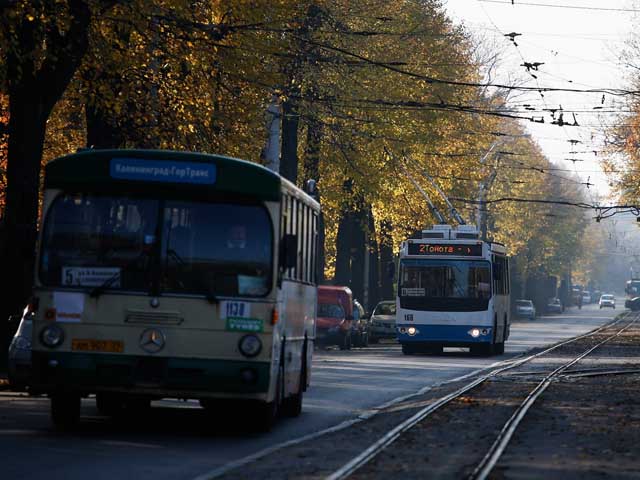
x,y
492,456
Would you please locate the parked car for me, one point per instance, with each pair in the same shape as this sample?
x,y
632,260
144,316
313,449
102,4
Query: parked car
x,y
359,326
632,303
19,367
334,316
554,305
607,301
586,297
525,309
383,321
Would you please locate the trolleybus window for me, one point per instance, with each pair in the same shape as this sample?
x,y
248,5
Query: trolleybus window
x,y
444,283
446,279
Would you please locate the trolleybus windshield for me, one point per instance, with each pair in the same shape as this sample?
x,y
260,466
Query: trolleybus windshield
x,y
444,284
112,241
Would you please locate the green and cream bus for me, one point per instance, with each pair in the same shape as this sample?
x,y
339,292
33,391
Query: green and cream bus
x,y
167,274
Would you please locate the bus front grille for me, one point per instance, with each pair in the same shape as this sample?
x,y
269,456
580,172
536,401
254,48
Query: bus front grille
x,y
162,318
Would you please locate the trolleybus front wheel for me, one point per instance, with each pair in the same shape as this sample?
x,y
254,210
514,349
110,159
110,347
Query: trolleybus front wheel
x,y
65,410
409,349
483,349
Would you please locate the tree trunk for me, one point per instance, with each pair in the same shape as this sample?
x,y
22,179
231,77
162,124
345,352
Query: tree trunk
x,y
374,264
343,249
386,260
312,171
358,252
34,88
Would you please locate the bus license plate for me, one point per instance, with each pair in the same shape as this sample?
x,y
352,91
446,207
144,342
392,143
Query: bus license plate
x,y
90,345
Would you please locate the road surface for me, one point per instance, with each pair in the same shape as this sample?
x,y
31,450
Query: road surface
x,y
177,441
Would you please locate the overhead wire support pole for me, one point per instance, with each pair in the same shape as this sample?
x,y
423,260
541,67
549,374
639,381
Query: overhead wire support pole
x,y
452,209
483,189
432,208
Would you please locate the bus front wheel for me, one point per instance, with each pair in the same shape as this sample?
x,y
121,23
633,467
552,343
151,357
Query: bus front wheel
x,y
65,410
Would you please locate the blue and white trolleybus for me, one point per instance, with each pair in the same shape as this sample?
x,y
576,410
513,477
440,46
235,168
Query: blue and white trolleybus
x,y
453,291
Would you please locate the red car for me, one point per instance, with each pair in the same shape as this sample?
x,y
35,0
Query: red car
x,y
335,316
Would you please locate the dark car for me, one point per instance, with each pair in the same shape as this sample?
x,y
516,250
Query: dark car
x,y
632,304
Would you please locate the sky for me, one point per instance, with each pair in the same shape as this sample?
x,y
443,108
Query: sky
x,y
578,43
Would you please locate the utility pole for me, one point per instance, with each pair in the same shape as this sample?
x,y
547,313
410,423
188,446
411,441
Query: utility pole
x,y
483,191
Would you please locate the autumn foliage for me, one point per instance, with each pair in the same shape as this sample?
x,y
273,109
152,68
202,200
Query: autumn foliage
x,y
376,91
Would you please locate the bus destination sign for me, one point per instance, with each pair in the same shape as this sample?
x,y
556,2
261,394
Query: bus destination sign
x,y
445,249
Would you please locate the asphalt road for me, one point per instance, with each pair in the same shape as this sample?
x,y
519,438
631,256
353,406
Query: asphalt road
x,y
177,441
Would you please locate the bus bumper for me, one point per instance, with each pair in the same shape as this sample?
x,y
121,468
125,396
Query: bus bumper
x,y
445,335
156,376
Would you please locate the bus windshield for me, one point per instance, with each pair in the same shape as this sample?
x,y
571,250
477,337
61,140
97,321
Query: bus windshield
x,y
445,284
117,241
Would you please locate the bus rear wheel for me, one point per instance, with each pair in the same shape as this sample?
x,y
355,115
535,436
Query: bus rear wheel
x,y
292,405
65,410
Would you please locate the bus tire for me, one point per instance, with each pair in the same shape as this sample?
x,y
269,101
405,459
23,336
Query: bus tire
x,y
266,413
65,410
292,405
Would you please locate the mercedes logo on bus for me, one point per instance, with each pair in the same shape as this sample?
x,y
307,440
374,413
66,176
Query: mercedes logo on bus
x,y
152,340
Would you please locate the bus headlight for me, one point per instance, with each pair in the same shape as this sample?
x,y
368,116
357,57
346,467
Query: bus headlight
x,y
52,336
411,331
250,345
474,332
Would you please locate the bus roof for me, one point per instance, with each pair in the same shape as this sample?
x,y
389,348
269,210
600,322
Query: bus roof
x,y
154,170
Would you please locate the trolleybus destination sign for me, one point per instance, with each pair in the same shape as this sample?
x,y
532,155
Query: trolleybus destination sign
x,y
454,250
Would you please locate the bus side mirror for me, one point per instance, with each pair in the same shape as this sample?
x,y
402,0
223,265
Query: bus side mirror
x,y
391,270
289,251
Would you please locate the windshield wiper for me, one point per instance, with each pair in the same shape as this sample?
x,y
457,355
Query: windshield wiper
x,y
208,294
99,290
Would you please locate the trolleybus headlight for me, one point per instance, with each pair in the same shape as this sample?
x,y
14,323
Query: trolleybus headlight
x,y
411,330
474,332
52,336
22,343
250,345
